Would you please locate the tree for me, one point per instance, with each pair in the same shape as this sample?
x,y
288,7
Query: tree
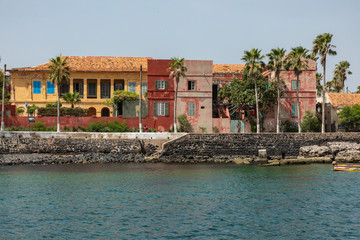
x,y
319,87
60,72
254,67
177,70
7,86
275,64
72,98
358,89
322,47
311,123
241,94
340,76
297,60
350,117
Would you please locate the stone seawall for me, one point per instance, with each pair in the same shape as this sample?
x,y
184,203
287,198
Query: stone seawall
x,y
287,148
232,147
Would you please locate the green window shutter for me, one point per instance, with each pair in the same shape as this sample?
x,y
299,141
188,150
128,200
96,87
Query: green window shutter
x,y
294,85
156,84
155,108
166,84
294,109
192,109
166,109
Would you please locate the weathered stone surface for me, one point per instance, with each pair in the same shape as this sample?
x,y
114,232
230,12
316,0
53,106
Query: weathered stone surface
x,y
315,151
337,147
351,155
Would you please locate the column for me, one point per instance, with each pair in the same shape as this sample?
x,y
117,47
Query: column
x,y
111,88
71,87
98,95
85,89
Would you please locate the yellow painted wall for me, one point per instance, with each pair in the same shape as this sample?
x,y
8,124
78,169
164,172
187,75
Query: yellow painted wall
x,y
22,88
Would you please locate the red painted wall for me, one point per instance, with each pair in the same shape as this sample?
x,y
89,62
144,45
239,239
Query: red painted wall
x,y
10,108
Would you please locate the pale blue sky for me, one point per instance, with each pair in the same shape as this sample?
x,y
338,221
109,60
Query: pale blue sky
x,y
34,31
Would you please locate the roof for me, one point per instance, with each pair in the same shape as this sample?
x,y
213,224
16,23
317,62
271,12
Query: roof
x,y
228,68
344,99
97,64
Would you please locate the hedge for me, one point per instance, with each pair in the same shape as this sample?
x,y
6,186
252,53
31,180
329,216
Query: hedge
x,y
64,111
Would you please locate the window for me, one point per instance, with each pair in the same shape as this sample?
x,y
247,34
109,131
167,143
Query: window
x,y
191,85
161,84
37,87
64,88
78,86
293,109
132,87
118,84
161,109
143,88
192,108
105,89
92,88
50,88
293,85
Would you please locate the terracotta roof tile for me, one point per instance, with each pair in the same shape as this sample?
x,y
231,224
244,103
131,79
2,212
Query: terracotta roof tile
x,y
97,64
344,99
228,68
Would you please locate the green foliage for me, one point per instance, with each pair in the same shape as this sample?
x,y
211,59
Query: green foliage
x,y
52,111
120,96
20,110
60,71
202,129
216,129
319,87
53,105
311,123
7,87
13,128
40,126
72,98
340,75
184,124
350,117
32,109
114,126
289,126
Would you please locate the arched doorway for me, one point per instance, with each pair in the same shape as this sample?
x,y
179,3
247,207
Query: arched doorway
x,y
105,112
92,111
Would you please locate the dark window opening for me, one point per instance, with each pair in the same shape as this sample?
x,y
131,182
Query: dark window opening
x,y
105,88
78,86
118,84
191,85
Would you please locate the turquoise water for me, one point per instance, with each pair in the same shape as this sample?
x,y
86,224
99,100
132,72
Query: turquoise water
x,y
159,201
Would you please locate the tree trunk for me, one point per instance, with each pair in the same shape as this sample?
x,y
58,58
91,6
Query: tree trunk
x,y
176,92
298,104
278,106
257,109
58,108
323,102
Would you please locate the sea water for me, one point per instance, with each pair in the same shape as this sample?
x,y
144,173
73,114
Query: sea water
x,y
172,201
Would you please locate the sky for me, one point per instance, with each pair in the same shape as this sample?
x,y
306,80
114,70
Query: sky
x,y
34,31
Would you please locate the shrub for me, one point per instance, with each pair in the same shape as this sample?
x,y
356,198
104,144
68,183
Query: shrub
x,y
20,110
53,105
13,128
289,126
64,111
216,129
184,124
202,129
114,126
38,126
311,123
32,109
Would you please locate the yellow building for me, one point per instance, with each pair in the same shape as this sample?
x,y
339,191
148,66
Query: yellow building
x,y
95,78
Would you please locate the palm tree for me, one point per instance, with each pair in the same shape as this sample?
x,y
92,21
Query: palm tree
x,y
275,64
319,87
297,60
60,72
72,98
254,66
322,47
177,68
340,72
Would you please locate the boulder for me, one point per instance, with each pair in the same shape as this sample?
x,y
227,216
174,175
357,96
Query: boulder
x,y
315,151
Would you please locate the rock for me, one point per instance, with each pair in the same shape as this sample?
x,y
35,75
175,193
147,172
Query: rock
x,y
337,147
315,151
350,155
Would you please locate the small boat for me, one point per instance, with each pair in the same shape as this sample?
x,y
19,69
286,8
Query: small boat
x,y
353,168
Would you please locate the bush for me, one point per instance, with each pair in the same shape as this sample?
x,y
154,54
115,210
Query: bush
x,y
311,123
184,124
216,129
202,129
20,110
289,126
64,111
53,105
13,128
40,126
114,126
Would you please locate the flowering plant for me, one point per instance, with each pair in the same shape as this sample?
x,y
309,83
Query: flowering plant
x,y
120,95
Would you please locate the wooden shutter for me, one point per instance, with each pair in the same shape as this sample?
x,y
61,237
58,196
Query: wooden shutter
x,y
294,109
50,88
37,87
166,84
166,109
156,84
155,109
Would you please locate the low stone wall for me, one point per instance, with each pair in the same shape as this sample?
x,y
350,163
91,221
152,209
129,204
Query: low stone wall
x,y
227,147
48,148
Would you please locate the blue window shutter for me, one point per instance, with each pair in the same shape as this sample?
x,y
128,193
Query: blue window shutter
x,y
37,87
50,88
